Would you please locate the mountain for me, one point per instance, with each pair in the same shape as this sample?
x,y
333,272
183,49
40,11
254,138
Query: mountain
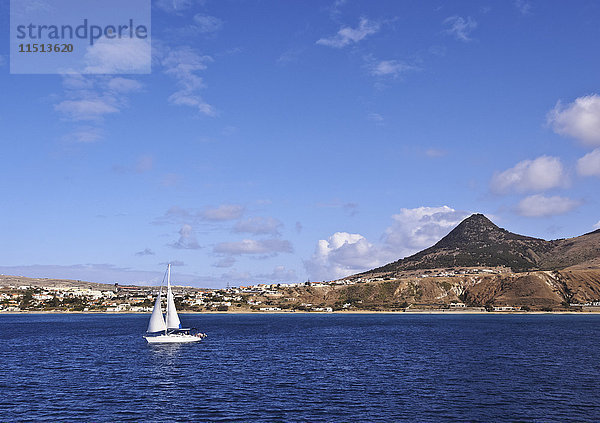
x,y
478,242
582,252
7,280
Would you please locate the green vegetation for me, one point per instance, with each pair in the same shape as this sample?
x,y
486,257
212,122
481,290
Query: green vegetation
x,y
386,291
27,299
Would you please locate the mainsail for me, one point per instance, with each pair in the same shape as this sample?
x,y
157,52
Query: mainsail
x,y
172,317
170,331
157,322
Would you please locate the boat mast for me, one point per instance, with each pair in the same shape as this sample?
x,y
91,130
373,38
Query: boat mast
x,y
169,275
168,292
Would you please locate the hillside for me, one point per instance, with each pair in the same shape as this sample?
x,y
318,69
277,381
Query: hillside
x,y
477,264
539,290
7,280
477,242
582,252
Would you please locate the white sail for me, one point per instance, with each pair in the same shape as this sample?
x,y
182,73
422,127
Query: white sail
x,y
157,321
172,317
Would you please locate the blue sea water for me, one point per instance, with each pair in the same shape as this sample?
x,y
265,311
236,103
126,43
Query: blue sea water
x,y
302,368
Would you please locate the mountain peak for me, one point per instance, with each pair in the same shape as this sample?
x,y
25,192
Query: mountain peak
x,y
475,228
479,219
476,241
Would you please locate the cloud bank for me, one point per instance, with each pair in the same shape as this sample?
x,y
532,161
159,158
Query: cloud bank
x,y
459,27
589,165
536,175
347,35
344,253
579,119
539,205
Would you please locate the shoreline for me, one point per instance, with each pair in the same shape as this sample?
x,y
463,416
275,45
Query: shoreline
x,y
474,312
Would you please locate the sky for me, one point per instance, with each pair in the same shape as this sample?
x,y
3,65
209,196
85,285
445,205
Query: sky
x,y
285,141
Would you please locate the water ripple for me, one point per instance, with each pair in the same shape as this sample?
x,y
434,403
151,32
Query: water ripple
x,y
317,368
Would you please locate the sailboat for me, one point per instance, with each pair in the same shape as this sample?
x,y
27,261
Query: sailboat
x,y
161,331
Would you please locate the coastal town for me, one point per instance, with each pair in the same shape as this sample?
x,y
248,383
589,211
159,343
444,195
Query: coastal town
x,y
133,299
443,290
26,294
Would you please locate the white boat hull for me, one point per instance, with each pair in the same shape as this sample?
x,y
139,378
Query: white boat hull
x,y
170,338
168,330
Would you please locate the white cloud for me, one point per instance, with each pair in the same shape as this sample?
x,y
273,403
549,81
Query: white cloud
x,y
205,23
435,152
460,27
227,261
177,214
85,109
119,55
589,165
597,225
421,227
220,213
183,64
202,25
184,98
250,246
539,205
289,56
580,119
145,252
124,85
336,8
259,226
187,239
391,68
176,6
540,174
91,99
347,35
73,83
223,212
340,255
376,117
523,6
84,134
343,253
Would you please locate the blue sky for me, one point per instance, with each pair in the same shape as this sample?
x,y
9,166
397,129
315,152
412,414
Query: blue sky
x,y
278,141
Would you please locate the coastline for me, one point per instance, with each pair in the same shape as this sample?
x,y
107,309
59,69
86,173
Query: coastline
x,y
475,312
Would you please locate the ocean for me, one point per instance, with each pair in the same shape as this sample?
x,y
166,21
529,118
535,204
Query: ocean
x,y
302,368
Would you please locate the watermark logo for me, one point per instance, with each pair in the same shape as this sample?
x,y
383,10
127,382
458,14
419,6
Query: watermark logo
x,y
80,36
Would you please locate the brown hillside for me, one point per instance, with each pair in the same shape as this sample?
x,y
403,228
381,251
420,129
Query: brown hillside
x,y
537,290
477,242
